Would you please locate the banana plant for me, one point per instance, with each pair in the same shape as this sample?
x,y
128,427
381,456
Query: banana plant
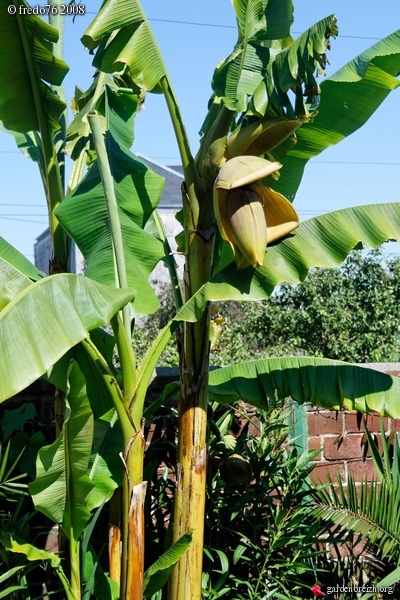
x,y
241,238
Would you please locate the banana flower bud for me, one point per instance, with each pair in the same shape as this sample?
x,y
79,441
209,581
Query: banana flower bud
x,y
250,215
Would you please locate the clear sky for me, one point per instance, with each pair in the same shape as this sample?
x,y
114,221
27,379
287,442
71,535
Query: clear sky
x,y
194,37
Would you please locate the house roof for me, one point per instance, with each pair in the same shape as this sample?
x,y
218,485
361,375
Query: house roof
x,y
171,197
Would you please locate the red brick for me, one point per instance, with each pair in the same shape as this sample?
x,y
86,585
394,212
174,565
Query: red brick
x,y
395,424
354,422
394,373
349,549
349,446
322,423
361,470
314,443
373,422
319,474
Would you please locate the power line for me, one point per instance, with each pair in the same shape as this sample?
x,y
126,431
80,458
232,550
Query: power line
x,y
222,26
314,162
23,215
23,220
354,162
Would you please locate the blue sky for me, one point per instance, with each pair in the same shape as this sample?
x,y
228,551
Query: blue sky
x,y
194,37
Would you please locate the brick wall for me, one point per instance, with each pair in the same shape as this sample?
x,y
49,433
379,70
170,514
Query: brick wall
x,y
340,438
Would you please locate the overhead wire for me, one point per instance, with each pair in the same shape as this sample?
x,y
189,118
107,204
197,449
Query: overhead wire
x,y
223,26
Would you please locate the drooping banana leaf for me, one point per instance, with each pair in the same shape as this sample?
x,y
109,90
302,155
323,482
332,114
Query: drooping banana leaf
x,y
238,75
327,383
266,62
138,190
62,486
294,68
45,320
132,45
323,241
348,98
25,48
33,554
16,273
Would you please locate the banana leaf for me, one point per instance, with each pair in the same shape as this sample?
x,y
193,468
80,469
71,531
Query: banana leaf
x,y
327,383
25,48
29,144
236,77
34,554
293,69
105,464
10,255
62,485
45,320
133,44
16,273
348,98
323,241
138,190
266,62
158,573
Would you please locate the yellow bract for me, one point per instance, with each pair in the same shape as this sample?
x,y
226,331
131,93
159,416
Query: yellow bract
x,y
249,215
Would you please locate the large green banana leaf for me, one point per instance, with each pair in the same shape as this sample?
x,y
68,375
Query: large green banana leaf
x,y
27,66
45,320
16,272
348,98
138,190
104,464
327,383
62,486
323,241
132,44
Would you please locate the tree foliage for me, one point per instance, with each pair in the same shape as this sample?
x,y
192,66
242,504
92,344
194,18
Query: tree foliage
x,y
350,313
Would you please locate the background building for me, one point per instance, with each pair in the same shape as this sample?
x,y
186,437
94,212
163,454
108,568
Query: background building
x,y
170,204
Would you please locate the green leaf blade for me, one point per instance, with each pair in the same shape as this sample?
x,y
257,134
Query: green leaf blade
x,y
133,45
348,99
17,34
45,320
62,486
323,241
158,573
138,191
322,382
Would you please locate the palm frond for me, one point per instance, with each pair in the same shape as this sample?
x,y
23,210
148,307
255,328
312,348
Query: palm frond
x,y
369,509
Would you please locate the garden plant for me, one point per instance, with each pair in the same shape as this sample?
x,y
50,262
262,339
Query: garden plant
x,y
241,237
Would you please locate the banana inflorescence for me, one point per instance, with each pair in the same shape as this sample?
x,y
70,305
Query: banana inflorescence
x,y
250,215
